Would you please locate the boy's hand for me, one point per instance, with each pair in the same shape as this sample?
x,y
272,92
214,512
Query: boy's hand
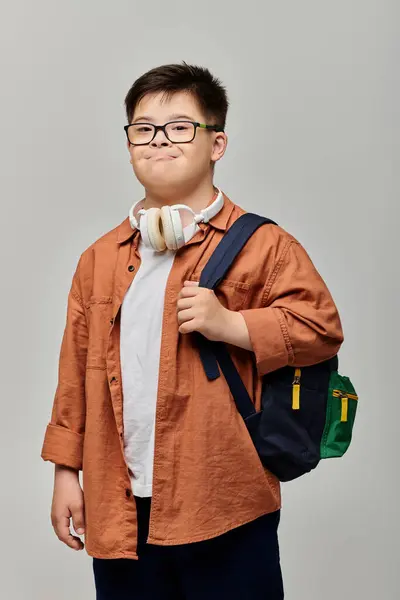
x,y
68,501
200,310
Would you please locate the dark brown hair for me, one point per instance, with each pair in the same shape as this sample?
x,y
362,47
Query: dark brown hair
x,y
198,81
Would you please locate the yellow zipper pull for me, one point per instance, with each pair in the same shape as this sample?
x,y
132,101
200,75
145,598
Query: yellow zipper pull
x,y
296,390
344,396
345,409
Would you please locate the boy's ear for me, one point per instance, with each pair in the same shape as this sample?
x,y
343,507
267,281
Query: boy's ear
x,y
219,146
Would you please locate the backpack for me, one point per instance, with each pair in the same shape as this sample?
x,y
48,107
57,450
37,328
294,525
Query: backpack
x,y
307,414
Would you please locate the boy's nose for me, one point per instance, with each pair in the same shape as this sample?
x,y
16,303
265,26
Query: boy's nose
x,y
160,139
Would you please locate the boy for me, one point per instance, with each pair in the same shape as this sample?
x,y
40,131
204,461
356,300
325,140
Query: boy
x,y
176,502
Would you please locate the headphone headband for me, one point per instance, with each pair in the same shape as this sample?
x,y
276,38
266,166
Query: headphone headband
x,y
205,215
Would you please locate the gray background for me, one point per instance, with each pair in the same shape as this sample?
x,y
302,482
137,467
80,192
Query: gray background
x,y
313,143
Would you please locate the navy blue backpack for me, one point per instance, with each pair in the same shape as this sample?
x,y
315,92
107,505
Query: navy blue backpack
x,y
307,413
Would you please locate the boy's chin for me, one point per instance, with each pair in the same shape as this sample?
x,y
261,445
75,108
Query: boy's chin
x,y
164,184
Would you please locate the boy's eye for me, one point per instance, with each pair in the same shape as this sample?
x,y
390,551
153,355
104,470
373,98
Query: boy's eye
x,y
180,127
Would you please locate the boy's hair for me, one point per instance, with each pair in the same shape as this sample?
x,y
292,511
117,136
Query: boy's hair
x,y
198,81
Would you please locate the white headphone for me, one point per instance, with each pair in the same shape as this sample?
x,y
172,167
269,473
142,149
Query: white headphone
x,y
162,228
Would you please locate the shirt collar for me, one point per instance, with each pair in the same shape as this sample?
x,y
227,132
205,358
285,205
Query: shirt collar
x,y
220,221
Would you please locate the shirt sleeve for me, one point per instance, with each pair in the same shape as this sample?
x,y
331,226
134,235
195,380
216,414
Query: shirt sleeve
x,y
63,440
298,324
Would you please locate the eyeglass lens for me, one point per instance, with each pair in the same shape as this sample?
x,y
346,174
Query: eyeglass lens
x,y
179,131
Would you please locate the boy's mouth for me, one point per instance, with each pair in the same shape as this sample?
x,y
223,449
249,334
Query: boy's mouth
x,y
161,157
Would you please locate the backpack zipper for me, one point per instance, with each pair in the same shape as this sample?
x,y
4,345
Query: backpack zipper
x,y
345,403
296,390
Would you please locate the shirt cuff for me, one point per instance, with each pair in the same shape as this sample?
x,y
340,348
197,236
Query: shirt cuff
x,y
63,446
269,338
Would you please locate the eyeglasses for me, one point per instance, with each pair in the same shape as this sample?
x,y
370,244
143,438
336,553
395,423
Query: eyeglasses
x,y
177,132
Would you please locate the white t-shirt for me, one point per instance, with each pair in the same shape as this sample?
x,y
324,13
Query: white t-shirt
x,y
141,324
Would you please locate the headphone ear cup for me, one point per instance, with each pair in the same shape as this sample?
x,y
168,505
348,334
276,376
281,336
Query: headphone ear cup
x,y
172,228
151,231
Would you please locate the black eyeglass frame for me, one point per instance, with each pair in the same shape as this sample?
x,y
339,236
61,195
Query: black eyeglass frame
x,y
217,128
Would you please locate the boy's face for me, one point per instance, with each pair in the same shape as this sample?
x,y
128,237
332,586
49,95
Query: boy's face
x,y
167,168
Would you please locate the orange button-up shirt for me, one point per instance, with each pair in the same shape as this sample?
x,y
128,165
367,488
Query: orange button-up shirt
x,y
207,476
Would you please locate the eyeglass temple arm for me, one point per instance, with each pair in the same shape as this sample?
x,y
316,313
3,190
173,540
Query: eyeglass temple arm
x,y
214,127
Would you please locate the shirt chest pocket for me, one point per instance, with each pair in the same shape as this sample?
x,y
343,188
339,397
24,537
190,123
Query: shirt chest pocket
x,y
232,294
99,320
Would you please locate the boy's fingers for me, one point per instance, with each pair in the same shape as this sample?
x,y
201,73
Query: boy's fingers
x,y
63,533
189,291
183,303
188,283
74,542
188,326
185,315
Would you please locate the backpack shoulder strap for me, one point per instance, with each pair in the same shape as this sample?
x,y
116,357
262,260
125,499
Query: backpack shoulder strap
x,y
229,247
215,270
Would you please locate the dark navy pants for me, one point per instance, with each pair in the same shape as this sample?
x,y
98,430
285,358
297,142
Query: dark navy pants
x,y
242,564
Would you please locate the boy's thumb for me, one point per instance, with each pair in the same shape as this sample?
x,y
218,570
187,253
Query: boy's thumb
x,y
78,521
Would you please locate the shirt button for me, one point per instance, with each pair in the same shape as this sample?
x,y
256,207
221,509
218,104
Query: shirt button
x,y
113,379
128,493
111,321
131,268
